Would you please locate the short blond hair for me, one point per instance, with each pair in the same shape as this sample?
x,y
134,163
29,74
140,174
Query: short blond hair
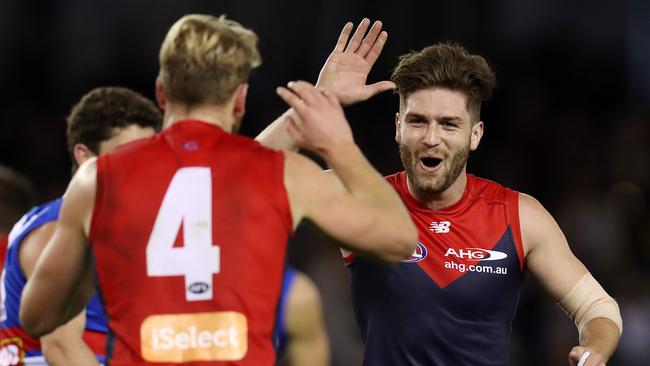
x,y
204,58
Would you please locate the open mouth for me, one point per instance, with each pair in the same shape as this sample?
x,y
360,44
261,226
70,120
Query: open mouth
x,y
430,163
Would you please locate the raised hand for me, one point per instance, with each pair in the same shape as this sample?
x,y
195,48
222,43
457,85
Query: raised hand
x,y
320,125
346,70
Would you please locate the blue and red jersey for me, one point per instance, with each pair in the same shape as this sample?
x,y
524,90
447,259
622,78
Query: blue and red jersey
x,y
15,343
452,302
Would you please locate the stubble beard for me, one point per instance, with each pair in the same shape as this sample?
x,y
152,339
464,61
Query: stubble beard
x,y
446,175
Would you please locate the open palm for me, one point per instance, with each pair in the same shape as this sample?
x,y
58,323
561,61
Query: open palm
x,y
346,70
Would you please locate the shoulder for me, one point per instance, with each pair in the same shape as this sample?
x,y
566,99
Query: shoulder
x,y
490,189
530,207
537,224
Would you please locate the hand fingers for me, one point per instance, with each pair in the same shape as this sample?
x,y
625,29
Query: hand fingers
x,y
292,99
375,51
307,92
358,36
370,39
343,37
379,87
576,353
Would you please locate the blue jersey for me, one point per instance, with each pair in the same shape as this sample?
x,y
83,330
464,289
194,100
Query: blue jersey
x,y
452,302
15,343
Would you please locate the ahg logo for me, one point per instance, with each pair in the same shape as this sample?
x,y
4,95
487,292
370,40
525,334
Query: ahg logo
x,y
476,254
440,227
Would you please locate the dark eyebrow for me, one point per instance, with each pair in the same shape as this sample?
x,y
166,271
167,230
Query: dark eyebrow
x,y
448,119
411,115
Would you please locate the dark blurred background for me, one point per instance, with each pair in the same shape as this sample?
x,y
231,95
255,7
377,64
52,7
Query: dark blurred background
x,y
570,122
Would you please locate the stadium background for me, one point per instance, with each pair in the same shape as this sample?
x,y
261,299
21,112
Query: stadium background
x,y
569,124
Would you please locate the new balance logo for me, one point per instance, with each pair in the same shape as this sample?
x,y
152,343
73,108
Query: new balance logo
x,y
440,227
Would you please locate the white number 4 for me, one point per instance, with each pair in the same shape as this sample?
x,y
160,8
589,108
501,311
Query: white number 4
x,y
188,201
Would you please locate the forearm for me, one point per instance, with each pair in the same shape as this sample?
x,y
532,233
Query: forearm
x,y
601,335
65,345
68,352
276,136
363,182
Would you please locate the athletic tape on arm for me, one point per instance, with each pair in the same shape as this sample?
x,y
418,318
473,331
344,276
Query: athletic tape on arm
x,y
587,300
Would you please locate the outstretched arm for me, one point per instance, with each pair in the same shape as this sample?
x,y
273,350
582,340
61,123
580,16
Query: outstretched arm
x,y
62,282
550,260
360,208
344,74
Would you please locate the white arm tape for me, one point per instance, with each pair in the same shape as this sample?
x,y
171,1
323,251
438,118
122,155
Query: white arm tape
x,y
587,301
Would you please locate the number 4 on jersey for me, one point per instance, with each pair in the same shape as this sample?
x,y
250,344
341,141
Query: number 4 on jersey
x,y
188,201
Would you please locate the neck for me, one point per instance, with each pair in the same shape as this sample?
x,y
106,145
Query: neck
x,y
221,116
440,200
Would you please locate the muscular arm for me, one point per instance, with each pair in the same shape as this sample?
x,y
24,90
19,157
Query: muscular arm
x,y
307,343
65,345
344,73
550,260
62,281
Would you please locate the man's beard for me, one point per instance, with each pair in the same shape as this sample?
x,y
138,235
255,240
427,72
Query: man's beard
x,y
445,176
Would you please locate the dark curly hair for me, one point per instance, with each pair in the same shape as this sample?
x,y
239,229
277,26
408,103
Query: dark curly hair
x,y
446,65
93,119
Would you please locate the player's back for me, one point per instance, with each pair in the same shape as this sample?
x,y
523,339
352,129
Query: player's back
x,y
189,236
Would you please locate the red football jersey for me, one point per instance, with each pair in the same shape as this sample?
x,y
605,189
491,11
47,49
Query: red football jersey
x,y
189,238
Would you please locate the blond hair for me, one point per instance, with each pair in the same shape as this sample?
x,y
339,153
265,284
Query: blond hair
x,y
204,58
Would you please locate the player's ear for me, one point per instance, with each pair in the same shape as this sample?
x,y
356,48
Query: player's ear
x,y
160,93
240,101
82,153
398,135
477,134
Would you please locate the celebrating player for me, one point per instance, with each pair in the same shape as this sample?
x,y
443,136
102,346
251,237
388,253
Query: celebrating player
x,y
453,301
187,230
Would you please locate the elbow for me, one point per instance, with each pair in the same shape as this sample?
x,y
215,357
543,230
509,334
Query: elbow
x,y
35,323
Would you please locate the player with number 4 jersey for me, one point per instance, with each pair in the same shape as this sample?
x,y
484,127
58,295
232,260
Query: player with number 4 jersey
x,y
187,230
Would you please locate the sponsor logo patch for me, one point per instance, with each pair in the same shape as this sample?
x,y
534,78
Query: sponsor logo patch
x,y
198,287
11,352
440,227
214,336
419,254
475,254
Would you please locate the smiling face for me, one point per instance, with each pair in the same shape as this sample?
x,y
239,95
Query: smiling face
x,y
435,134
